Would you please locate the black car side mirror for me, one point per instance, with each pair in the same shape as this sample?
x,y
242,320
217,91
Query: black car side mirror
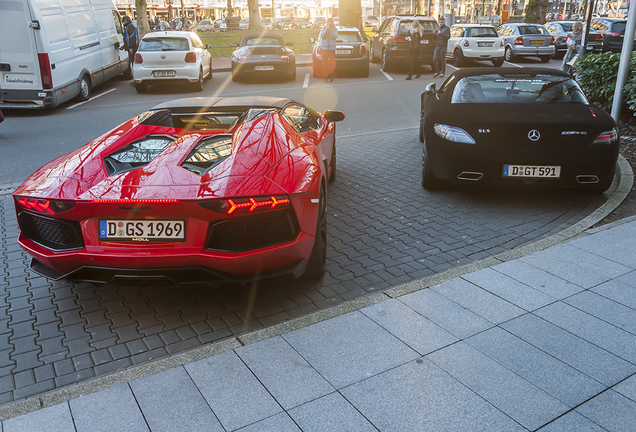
x,y
430,89
334,116
234,44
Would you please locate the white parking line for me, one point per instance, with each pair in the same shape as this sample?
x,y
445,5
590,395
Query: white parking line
x,y
389,77
306,82
93,98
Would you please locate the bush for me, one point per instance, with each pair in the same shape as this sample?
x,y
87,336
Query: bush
x,y
597,75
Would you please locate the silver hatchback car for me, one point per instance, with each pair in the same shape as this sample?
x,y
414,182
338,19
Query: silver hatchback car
x,y
526,40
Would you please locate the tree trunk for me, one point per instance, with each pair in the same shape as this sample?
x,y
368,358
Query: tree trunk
x,y
536,11
421,7
229,8
351,14
142,19
255,18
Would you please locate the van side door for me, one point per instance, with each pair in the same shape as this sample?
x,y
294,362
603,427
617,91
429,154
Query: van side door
x,y
111,39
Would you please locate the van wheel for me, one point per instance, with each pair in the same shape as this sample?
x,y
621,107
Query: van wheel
x,y
141,88
85,89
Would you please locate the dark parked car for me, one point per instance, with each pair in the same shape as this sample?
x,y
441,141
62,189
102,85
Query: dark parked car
x,y
515,126
263,54
562,29
389,44
351,53
283,23
526,40
301,23
613,30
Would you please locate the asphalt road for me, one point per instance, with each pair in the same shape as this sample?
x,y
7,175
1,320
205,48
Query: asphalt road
x,y
384,229
381,102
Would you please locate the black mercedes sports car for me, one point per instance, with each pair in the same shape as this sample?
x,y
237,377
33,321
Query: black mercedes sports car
x,y
263,54
515,126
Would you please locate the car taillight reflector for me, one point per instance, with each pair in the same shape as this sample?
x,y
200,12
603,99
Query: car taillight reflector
x,y
453,133
235,206
363,49
465,43
285,57
598,37
552,41
136,201
138,58
43,205
190,57
241,57
501,42
607,137
45,71
519,41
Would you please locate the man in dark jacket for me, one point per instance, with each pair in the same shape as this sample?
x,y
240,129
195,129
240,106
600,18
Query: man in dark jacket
x,y
439,57
131,41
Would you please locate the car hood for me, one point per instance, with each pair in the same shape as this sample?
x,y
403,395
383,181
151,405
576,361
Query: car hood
x,y
257,146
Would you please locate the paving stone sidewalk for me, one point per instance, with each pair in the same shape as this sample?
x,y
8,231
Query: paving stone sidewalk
x,y
383,228
543,342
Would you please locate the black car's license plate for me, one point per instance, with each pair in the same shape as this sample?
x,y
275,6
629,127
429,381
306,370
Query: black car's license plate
x,y
532,171
141,230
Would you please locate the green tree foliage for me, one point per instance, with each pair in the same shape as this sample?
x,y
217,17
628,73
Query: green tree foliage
x,y
536,11
351,14
597,75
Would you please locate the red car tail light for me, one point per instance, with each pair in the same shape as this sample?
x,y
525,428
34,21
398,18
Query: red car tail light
x,y
465,43
363,49
552,41
43,206
612,34
236,206
45,71
519,41
138,58
501,43
190,57
607,137
285,57
241,57
598,37
136,201
397,38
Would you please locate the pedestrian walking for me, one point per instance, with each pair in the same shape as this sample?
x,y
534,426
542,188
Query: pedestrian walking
x,y
574,43
439,56
416,33
329,34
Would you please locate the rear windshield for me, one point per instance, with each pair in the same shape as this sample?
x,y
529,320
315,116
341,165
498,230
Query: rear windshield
x,y
263,41
532,30
164,44
495,88
481,32
619,27
405,26
344,36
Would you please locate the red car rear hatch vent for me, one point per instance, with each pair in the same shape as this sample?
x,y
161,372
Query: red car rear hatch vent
x,y
156,118
207,153
136,154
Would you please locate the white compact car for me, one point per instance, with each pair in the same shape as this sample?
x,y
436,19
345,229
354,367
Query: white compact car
x,y
475,42
171,57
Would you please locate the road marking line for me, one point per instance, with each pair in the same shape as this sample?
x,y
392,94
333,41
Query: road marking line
x,y
306,82
389,77
94,97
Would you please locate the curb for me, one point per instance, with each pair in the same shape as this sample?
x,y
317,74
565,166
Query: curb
x,y
624,177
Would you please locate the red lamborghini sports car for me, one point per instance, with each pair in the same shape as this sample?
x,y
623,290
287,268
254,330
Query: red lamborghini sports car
x,y
194,190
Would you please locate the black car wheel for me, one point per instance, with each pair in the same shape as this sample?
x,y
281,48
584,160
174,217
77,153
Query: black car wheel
x,y
429,180
372,55
235,76
421,131
141,87
498,62
292,75
85,89
458,58
386,66
364,70
545,59
318,260
508,55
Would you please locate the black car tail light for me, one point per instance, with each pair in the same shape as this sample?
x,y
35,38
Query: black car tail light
x,y
43,206
285,57
247,205
52,233
253,232
607,137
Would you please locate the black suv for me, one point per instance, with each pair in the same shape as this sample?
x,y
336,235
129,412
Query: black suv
x,y
613,30
388,44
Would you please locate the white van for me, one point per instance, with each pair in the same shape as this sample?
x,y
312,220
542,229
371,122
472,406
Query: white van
x,y
54,50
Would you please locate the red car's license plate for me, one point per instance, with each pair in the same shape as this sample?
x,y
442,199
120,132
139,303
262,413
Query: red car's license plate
x,y
142,230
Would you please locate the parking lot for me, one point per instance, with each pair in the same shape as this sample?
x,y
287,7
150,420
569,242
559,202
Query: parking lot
x,y
383,230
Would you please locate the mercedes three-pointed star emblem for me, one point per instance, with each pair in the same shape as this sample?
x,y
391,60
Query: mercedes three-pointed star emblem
x,y
534,135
